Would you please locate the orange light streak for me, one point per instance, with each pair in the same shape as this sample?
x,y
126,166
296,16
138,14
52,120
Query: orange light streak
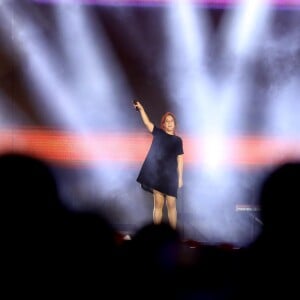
x,y
68,148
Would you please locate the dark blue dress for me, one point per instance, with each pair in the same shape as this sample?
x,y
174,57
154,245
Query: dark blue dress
x,y
159,170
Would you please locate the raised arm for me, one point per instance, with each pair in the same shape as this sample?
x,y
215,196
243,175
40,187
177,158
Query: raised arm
x,y
138,106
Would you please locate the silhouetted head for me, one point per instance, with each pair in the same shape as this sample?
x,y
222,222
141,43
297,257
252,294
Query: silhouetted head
x,y
279,197
43,236
156,243
29,188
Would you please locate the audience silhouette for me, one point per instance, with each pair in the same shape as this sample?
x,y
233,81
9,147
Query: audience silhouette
x,y
151,257
49,248
267,266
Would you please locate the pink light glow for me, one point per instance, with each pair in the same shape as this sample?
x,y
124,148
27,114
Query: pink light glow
x,y
68,148
285,3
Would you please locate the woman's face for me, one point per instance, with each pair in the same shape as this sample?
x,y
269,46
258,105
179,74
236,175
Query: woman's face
x,y
169,124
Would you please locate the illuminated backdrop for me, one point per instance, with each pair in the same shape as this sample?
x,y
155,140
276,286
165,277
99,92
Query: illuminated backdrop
x,y
229,70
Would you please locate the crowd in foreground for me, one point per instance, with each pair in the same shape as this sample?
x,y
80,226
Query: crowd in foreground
x,y
50,250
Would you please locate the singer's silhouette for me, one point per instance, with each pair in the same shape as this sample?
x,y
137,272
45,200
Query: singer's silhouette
x,y
162,170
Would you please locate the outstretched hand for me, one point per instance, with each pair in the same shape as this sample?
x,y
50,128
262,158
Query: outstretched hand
x,y
137,105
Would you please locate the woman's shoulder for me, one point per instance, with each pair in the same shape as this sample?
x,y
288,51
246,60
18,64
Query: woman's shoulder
x,y
157,130
178,137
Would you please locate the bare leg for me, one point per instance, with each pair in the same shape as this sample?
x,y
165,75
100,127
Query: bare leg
x,y
172,211
158,206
